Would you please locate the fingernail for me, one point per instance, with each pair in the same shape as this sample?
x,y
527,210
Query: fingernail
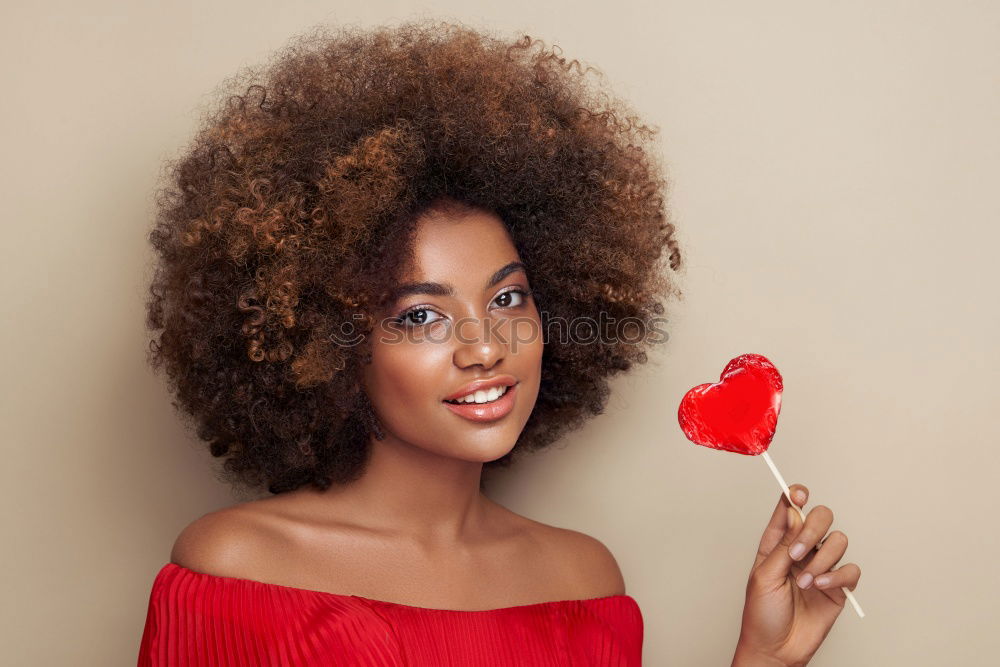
x,y
797,551
800,495
822,581
805,579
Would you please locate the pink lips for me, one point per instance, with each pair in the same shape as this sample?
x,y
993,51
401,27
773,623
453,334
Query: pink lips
x,y
486,412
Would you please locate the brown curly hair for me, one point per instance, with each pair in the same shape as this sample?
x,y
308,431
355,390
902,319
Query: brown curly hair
x,y
283,223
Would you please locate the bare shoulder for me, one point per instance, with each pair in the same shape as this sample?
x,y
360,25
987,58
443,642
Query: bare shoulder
x,y
598,567
591,567
582,561
232,542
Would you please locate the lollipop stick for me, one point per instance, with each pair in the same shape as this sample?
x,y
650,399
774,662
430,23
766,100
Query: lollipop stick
x,y
784,487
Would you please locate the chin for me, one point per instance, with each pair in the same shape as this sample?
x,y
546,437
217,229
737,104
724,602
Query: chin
x,y
482,450
495,454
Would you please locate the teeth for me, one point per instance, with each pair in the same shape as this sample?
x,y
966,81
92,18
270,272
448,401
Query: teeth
x,y
482,396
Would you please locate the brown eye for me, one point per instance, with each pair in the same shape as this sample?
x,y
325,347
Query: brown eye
x,y
516,295
415,317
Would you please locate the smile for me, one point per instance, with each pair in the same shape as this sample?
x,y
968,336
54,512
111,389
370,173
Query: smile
x,y
485,406
487,396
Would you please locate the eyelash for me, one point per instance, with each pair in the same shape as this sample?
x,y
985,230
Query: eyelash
x,y
401,318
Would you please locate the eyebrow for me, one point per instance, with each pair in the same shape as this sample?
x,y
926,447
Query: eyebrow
x,y
444,289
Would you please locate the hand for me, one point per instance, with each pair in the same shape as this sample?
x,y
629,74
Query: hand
x,y
783,623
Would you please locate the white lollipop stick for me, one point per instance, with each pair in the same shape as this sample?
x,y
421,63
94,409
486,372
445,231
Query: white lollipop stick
x,y
784,487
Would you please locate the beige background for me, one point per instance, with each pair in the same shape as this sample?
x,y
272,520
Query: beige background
x,y
834,170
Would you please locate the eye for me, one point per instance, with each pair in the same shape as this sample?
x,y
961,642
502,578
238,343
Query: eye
x,y
415,317
517,295
418,316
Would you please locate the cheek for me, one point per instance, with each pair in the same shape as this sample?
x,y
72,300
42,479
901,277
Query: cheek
x,y
526,340
405,376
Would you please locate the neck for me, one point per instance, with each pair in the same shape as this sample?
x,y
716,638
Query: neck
x,y
417,494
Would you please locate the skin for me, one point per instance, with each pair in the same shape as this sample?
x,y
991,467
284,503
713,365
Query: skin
x,y
415,528
784,623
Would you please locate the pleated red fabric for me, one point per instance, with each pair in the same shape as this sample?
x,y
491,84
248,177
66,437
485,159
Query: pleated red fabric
x,y
198,619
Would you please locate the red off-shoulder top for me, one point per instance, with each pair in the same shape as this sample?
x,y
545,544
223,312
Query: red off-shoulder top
x,y
197,619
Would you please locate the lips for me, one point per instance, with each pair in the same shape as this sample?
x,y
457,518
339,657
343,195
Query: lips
x,y
486,412
482,384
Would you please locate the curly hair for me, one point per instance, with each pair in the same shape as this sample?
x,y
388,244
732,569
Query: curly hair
x,y
283,223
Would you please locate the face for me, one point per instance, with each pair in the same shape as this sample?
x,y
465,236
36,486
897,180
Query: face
x,y
464,314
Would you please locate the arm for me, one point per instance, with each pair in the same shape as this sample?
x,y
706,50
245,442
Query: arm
x,y
746,658
213,543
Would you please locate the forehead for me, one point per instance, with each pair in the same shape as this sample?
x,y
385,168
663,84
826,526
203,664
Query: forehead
x,y
458,247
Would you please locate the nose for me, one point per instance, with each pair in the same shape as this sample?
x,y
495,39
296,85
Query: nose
x,y
479,342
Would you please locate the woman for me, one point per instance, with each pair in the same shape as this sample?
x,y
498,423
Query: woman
x,y
373,263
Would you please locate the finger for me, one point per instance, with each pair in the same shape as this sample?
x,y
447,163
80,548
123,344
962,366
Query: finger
x,y
845,576
833,550
771,572
818,521
800,494
779,520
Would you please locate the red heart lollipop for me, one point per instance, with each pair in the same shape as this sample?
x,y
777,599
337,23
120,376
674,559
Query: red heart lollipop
x,y
739,412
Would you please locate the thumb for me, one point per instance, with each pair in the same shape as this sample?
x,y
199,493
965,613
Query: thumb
x,y
775,568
